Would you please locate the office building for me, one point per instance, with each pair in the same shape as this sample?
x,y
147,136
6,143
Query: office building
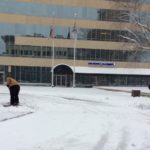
x,y
70,43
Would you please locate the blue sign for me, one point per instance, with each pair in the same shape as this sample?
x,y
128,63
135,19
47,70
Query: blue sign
x,y
102,63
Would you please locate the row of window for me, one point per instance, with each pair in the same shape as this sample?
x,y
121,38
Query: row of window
x,y
81,54
61,11
62,32
43,75
113,80
30,74
82,34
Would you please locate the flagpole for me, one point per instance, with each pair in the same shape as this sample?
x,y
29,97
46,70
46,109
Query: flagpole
x,y
52,71
74,54
74,63
53,54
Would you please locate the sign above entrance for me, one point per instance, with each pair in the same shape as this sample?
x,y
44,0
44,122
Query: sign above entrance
x,y
97,63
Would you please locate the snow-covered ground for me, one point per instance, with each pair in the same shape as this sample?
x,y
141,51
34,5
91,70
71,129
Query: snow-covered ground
x,y
74,119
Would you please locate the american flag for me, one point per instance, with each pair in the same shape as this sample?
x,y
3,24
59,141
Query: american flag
x,y
68,36
52,32
74,31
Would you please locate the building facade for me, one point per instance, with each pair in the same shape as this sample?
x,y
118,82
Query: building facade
x,y
70,43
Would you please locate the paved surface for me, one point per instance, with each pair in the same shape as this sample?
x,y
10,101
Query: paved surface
x,y
127,91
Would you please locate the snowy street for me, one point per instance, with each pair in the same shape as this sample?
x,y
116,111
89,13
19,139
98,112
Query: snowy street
x,y
74,119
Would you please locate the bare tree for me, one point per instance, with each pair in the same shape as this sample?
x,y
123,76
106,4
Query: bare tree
x,y
139,36
138,33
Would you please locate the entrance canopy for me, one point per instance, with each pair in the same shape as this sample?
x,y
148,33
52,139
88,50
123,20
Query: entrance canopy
x,y
63,69
123,71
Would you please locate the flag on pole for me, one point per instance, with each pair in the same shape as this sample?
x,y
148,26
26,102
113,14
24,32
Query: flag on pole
x,y
52,32
74,31
68,36
52,35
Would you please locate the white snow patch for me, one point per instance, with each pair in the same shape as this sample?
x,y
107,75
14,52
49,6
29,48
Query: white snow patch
x,y
75,119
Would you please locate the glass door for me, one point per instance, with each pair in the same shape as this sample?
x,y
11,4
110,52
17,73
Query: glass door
x,y
61,80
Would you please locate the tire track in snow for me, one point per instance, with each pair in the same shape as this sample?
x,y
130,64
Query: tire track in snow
x,y
15,117
122,145
88,101
101,143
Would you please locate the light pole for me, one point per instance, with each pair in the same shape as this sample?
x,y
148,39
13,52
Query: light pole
x,y
74,50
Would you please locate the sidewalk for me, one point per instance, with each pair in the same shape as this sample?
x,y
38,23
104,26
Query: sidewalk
x,y
146,94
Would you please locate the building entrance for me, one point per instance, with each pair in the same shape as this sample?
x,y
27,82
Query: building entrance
x,y
60,80
63,76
